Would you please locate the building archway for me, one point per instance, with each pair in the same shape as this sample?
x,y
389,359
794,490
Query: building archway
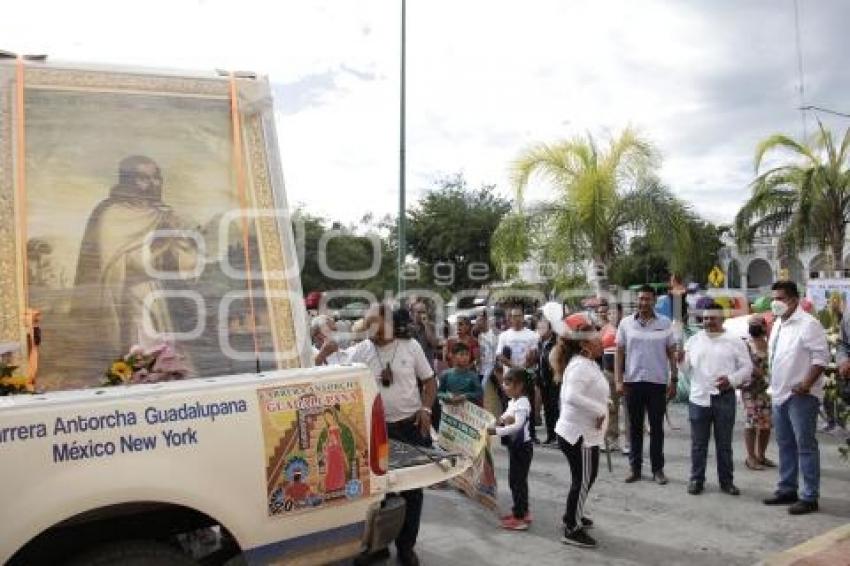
x,y
819,265
759,274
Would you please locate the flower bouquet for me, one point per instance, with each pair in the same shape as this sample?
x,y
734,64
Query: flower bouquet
x,y
159,363
11,384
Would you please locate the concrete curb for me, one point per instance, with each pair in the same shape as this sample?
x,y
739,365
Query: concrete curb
x,y
815,551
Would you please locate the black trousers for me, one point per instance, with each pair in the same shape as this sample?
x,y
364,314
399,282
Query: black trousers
x,y
650,399
407,431
531,389
551,393
584,467
519,464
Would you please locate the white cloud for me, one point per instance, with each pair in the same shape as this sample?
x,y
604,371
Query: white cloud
x,y
704,81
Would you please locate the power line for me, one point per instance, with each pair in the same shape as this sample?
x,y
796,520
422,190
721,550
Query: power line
x,y
825,110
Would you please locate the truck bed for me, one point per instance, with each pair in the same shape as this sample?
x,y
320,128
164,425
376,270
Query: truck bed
x,y
403,455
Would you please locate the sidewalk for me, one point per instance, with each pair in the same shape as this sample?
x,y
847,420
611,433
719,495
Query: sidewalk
x,y
645,524
829,549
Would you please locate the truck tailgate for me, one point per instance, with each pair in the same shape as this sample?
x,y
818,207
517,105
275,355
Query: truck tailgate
x,y
413,467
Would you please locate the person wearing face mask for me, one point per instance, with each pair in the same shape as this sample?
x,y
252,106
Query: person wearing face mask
x,y
756,400
718,363
797,355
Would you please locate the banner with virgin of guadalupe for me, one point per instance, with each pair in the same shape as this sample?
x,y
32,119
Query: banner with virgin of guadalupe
x,y
463,428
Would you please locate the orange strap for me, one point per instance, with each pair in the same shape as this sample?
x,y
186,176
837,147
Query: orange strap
x,y
21,172
30,317
239,164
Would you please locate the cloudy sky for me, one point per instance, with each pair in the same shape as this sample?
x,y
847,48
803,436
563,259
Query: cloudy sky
x,y
703,79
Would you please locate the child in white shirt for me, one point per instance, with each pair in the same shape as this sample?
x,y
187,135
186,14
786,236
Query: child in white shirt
x,y
513,425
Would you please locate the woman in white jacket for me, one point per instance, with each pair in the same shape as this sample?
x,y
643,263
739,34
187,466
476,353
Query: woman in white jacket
x,y
584,411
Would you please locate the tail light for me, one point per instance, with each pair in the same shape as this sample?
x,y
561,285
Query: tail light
x,y
379,448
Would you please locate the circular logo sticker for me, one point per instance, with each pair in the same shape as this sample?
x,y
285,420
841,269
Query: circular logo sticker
x,y
353,489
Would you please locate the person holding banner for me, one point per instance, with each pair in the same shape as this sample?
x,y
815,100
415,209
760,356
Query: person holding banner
x,y
514,426
460,383
582,422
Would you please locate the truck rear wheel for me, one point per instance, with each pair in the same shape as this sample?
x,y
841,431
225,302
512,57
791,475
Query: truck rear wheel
x,y
133,553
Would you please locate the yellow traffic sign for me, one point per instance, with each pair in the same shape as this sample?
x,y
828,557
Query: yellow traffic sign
x,y
716,278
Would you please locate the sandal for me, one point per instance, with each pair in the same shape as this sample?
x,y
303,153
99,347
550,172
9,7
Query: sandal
x,y
767,463
753,465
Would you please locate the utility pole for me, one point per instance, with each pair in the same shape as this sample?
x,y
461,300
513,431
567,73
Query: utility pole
x,y
402,217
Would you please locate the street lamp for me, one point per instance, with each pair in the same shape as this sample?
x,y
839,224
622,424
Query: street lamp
x,y
402,218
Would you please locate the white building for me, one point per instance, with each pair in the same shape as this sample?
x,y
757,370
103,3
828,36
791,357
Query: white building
x,y
755,271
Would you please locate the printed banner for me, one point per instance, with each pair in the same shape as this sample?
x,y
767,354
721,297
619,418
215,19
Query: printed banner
x,y
821,291
316,445
463,428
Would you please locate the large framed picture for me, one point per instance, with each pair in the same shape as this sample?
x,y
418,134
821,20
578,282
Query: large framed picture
x,y
148,216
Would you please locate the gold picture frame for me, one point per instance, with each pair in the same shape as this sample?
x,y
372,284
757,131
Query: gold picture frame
x,y
77,119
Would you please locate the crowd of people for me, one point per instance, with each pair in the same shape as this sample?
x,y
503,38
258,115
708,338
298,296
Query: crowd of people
x,y
575,372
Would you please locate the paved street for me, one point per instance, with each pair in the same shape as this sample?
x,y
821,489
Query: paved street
x,y
642,523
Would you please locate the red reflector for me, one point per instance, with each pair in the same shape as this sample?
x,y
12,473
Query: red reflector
x,y
379,448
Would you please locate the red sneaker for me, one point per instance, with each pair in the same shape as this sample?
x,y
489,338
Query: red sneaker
x,y
514,524
528,519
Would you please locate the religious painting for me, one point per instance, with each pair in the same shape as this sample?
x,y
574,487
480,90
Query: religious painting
x,y
140,246
315,445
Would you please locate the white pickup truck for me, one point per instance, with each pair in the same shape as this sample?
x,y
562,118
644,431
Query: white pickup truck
x,y
288,463
86,472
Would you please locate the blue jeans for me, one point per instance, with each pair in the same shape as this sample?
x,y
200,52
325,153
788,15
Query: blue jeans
x,y
721,413
795,422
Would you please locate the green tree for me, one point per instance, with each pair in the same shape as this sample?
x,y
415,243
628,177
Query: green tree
x,y
642,264
647,262
452,225
351,250
599,196
807,195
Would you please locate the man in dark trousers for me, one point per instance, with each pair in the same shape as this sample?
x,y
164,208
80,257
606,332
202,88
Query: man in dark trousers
x,y
647,374
399,366
549,389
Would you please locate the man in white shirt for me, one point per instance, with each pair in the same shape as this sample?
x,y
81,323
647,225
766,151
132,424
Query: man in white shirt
x,y
718,363
399,365
521,341
520,345
798,353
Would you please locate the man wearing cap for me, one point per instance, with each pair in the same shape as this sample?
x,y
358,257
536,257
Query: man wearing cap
x,y
646,356
718,362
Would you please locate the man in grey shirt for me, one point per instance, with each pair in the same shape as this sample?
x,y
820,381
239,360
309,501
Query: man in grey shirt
x,y
646,343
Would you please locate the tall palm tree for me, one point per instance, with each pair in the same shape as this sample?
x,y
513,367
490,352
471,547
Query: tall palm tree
x,y
599,196
807,195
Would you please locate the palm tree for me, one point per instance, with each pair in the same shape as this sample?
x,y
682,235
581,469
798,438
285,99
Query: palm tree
x,y
600,196
808,196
